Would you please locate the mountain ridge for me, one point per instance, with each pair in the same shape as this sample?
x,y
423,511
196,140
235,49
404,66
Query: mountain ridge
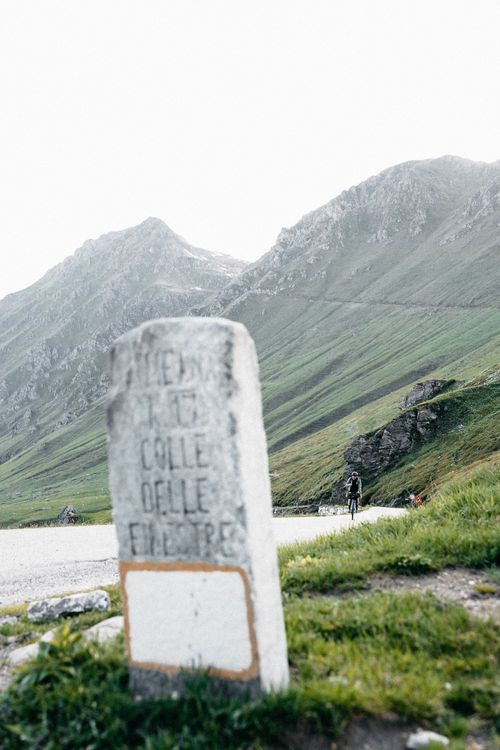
x,y
328,220
55,334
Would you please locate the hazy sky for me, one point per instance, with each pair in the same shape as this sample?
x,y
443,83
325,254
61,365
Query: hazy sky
x,y
228,119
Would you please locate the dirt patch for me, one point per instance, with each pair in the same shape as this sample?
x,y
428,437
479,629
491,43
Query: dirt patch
x,y
364,733
303,739
470,588
386,732
375,733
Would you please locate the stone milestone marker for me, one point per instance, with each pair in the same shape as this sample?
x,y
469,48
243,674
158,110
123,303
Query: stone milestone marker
x,y
192,508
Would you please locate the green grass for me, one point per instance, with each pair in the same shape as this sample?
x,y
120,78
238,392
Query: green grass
x,y
69,466
458,527
406,654
72,467
321,362
410,655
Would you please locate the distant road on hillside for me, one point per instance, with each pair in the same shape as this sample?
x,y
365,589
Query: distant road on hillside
x,y
35,563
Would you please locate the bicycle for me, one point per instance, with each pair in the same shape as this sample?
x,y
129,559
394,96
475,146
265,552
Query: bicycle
x,y
353,504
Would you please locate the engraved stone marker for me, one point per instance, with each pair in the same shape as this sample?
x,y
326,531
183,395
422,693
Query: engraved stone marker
x,y
192,507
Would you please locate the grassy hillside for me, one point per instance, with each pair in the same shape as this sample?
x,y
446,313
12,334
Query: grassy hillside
x,y
393,281
331,359
70,465
469,431
66,467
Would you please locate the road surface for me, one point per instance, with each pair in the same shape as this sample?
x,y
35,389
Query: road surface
x,y
35,563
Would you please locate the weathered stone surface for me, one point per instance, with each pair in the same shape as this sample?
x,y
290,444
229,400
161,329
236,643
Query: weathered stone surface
x,y
373,453
68,515
423,392
192,507
50,609
105,630
422,738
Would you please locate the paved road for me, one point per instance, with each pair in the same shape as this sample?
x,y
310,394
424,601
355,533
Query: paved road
x,y
48,561
303,528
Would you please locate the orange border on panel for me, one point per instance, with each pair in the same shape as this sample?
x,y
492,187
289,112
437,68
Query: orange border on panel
x,y
245,674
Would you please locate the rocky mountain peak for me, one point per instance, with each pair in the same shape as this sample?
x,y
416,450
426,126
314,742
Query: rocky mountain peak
x,y
55,335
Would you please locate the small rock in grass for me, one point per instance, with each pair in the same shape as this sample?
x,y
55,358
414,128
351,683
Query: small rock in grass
x,y
11,640
20,655
8,620
102,632
422,738
105,630
69,514
49,609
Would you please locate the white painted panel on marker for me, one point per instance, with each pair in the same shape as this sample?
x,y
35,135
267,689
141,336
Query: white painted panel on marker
x,y
189,619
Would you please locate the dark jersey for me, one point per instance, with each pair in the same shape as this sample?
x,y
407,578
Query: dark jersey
x,y
354,486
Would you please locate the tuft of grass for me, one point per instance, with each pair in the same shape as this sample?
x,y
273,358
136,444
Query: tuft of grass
x,y
458,527
485,589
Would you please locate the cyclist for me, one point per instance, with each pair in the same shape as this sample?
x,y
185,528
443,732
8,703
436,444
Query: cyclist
x,y
354,488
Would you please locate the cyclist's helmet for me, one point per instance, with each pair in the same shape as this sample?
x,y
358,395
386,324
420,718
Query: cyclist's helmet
x,y
354,474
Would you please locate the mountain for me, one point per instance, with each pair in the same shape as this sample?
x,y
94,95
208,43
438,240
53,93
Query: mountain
x,y
55,335
394,281
391,281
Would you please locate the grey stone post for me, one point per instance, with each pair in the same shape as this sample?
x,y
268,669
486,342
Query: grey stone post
x,y
192,508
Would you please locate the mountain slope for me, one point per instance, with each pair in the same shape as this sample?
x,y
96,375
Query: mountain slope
x,y
391,280
55,335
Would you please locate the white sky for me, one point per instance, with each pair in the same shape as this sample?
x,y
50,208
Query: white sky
x,y
228,119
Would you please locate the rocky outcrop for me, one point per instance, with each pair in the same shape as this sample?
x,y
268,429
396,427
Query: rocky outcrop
x,y
424,391
68,515
373,453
